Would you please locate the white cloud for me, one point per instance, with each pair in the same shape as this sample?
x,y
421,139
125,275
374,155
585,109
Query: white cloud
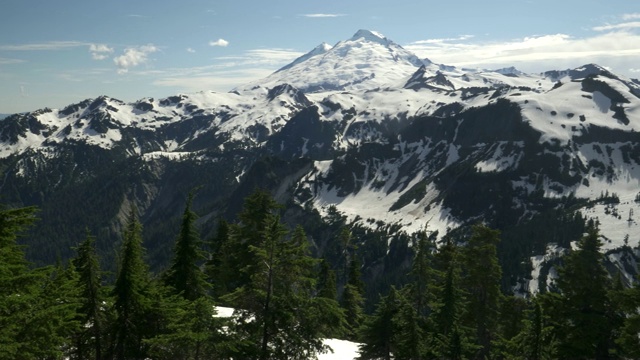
x,y
23,91
621,26
219,42
100,51
221,81
48,46
323,15
536,53
633,16
6,61
190,50
133,57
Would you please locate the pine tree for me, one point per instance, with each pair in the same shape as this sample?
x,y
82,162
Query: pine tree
x,y
89,341
132,294
628,339
352,299
37,307
248,233
191,331
535,341
334,322
482,283
377,332
452,340
278,317
185,275
219,267
583,283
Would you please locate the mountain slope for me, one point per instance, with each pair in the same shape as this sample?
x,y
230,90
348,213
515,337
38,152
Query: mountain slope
x,y
364,128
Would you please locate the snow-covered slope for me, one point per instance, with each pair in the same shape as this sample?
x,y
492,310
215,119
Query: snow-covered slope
x,y
389,139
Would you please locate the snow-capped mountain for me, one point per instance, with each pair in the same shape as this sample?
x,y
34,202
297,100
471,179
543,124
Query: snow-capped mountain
x,y
363,127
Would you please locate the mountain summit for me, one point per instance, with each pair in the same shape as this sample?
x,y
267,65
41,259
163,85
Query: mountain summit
x,y
363,128
366,60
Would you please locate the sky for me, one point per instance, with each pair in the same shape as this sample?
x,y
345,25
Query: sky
x,y
57,52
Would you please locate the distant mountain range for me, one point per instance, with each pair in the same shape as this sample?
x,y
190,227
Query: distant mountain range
x,y
393,142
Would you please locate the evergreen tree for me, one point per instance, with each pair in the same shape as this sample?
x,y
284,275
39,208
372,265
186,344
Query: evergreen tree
x,y
410,338
278,318
37,307
482,283
377,333
89,341
628,339
132,294
192,331
220,265
185,275
452,340
334,324
584,284
536,340
247,234
352,299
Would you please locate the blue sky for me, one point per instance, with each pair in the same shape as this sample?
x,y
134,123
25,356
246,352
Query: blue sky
x,y
53,53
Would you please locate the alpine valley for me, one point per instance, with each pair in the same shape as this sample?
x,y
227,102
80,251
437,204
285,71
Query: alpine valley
x,y
364,134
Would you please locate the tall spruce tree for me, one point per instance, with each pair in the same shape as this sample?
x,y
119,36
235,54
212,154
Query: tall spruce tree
x,y
132,294
353,300
279,319
37,306
584,285
185,275
451,339
481,280
219,267
378,331
89,341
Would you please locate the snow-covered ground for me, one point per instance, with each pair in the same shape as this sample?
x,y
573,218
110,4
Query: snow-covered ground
x,y
341,349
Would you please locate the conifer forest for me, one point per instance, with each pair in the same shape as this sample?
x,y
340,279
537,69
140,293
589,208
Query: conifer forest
x,y
450,302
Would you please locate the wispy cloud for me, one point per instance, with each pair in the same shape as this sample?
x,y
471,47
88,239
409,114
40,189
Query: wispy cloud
x,y
532,52
323,15
621,26
133,57
219,42
46,46
190,50
100,51
627,17
6,61
228,72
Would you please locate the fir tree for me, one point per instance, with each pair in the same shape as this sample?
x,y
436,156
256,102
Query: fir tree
x,y
377,333
583,283
482,282
132,295
219,267
38,307
89,341
278,317
185,275
352,299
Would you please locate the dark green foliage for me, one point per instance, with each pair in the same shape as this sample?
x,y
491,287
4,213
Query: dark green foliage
x,y
89,341
191,331
584,286
352,299
132,295
37,307
378,330
481,280
278,295
185,275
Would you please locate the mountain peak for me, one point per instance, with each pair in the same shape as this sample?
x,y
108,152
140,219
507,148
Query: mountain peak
x,y
369,35
318,50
